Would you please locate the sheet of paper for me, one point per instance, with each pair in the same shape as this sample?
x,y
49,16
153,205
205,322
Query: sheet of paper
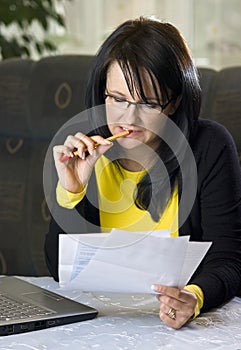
x,y
194,255
126,261
75,253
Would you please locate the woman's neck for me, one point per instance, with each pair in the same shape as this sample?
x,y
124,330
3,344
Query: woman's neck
x,y
137,159
131,165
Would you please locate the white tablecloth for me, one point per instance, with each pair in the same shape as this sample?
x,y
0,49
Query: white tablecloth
x,y
131,322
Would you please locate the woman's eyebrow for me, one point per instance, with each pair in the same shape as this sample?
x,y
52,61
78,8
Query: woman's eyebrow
x,y
116,92
154,99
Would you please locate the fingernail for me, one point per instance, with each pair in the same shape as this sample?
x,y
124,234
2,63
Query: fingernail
x,y
154,287
107,142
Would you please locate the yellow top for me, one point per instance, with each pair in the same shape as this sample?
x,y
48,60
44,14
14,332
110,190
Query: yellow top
x,y
116,191
116,204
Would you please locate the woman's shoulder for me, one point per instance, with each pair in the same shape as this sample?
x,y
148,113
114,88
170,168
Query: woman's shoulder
x,y
212,136
212,140
208,128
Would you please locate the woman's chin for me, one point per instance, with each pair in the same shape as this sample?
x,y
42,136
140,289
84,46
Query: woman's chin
x,y
129,143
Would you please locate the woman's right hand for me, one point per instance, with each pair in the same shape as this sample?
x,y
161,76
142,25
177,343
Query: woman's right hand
x,y
74,173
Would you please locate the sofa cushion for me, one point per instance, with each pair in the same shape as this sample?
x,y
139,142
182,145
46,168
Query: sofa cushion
x,y
207,78
57,92
227,102
15,76
24,217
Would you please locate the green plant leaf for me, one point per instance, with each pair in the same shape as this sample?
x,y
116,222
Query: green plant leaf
x,y
39,47
23,13
49,45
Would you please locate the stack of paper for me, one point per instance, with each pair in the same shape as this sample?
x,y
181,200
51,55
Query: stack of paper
x,y
127,261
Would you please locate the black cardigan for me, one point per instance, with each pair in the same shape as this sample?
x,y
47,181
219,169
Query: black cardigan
x,y
215,216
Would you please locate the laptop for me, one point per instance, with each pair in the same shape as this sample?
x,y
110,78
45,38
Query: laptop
x,y
25,307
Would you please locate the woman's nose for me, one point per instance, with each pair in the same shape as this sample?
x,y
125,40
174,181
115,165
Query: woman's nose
x,y
132,114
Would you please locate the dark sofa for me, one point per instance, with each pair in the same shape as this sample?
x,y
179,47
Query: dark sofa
x,y
36,99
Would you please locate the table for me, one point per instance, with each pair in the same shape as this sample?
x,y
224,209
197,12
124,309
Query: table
x,y
130,322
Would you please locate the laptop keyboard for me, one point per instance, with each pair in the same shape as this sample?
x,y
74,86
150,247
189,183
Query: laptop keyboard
x,y
14,309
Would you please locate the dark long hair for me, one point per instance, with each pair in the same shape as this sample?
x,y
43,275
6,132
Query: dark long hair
x,y
160,50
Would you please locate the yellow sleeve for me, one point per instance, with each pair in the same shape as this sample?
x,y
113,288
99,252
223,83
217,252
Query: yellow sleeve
x,y
193,288
68,199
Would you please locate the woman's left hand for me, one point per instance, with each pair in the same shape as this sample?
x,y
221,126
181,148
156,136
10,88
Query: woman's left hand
x,y
177,306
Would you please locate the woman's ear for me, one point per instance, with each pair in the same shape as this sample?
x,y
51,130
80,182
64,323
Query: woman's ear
x,y
174,105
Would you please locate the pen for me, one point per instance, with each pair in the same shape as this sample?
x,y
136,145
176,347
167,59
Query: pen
x,y
111,138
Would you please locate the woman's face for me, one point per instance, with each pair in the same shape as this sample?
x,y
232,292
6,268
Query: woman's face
x,y
145,121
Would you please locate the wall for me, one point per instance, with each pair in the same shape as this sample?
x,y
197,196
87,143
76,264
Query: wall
x,y
210,27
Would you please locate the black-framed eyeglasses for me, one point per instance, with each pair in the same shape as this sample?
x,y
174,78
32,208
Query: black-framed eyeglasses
x,y
123,104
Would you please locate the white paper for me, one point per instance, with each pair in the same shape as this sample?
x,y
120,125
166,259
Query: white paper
x,y
194,255
127,261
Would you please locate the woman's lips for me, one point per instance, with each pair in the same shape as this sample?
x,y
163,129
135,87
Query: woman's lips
x,y
132,131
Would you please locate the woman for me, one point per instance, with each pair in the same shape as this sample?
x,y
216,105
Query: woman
x,y
144,77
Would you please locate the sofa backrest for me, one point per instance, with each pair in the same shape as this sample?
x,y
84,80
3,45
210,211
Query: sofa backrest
x,y
36,99
221,99
226,107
